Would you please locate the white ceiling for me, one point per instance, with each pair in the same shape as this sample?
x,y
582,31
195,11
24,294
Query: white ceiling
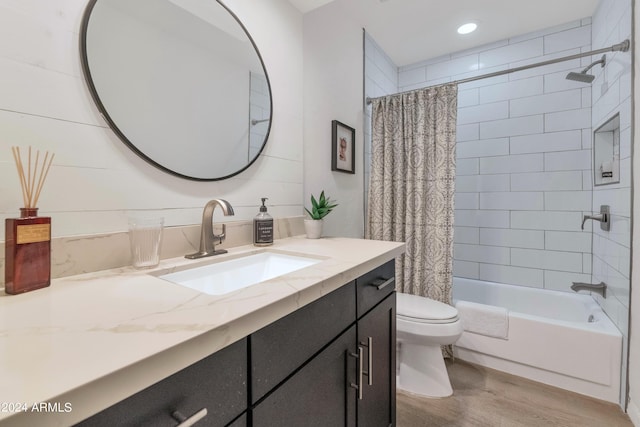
x,y
413,30
305,6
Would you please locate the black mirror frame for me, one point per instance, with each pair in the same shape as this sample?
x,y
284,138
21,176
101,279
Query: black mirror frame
x,y
105,114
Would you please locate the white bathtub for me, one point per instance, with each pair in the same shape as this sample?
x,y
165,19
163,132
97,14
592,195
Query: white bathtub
x,y
550,338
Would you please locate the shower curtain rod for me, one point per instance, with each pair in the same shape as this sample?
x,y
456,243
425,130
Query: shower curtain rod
x,y
621,47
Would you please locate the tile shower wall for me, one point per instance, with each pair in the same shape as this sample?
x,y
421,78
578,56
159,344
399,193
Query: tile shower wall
x,y
523,158
612,95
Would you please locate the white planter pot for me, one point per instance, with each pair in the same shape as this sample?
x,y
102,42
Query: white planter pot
x,y
313,228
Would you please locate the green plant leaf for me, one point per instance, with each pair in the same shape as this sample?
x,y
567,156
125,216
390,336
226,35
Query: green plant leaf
x,y
320,207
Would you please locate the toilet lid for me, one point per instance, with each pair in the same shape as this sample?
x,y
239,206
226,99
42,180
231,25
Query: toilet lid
x,y
424,309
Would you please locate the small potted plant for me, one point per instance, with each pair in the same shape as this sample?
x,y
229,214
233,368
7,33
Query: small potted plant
x,y
320,208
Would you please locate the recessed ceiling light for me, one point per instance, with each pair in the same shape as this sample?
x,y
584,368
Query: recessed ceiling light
x,y
467,28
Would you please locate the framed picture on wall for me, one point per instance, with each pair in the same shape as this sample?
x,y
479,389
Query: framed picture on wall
x,y
343,147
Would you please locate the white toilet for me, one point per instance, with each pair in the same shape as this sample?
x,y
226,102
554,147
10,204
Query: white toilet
x,y
423,325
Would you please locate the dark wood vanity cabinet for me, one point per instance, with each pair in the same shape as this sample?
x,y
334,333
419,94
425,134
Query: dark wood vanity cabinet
x,y
329,363
351,380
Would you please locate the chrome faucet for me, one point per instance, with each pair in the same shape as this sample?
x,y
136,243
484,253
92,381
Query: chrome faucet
x,y
207,238
604,218
598,288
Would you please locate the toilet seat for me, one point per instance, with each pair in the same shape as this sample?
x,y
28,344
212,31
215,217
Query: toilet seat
x,y
419,309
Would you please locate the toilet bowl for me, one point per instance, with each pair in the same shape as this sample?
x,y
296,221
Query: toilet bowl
x,y
423,325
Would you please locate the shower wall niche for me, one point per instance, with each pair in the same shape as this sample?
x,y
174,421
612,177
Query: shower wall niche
x,y
606,152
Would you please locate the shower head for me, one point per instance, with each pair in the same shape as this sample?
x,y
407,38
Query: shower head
x,y
582,76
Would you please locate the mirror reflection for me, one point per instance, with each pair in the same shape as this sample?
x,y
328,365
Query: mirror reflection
x,y
180,82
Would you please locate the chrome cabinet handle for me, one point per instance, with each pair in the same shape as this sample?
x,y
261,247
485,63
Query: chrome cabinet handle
x,y
358,386
382,283
369,371
187,422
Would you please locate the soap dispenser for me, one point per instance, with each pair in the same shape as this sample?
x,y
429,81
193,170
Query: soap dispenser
x,y
263,227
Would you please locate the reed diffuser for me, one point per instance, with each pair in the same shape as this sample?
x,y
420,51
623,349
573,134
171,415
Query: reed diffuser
x,y
28,238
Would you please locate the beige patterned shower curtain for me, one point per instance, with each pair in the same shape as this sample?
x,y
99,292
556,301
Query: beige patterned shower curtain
x,y
412,185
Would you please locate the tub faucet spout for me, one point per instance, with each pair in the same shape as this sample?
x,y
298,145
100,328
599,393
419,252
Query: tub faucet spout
x,y
598,288
207,238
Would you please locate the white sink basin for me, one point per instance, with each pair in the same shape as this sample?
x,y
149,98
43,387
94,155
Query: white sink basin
x,y
222,277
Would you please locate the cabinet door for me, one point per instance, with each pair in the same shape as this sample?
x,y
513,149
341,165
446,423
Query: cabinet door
x,y
319,395
217,383
377,338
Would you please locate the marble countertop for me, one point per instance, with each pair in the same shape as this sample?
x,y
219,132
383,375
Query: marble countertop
x,y
91,340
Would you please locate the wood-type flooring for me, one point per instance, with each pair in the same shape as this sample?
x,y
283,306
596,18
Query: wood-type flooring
x,y
484,397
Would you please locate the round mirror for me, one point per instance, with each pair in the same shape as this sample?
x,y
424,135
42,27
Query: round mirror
x,y
181,82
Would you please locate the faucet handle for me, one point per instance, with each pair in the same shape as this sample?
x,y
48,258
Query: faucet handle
x,y
584,219
222,235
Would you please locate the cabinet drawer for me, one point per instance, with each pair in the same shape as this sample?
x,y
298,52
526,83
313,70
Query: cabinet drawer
x,y
217,383
374,286
278,349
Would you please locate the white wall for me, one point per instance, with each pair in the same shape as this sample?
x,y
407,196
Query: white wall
x,y
380,79
96,181
333,90
634,327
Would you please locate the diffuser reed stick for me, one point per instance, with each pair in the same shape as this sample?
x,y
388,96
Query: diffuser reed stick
x,y
28,238
32,183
